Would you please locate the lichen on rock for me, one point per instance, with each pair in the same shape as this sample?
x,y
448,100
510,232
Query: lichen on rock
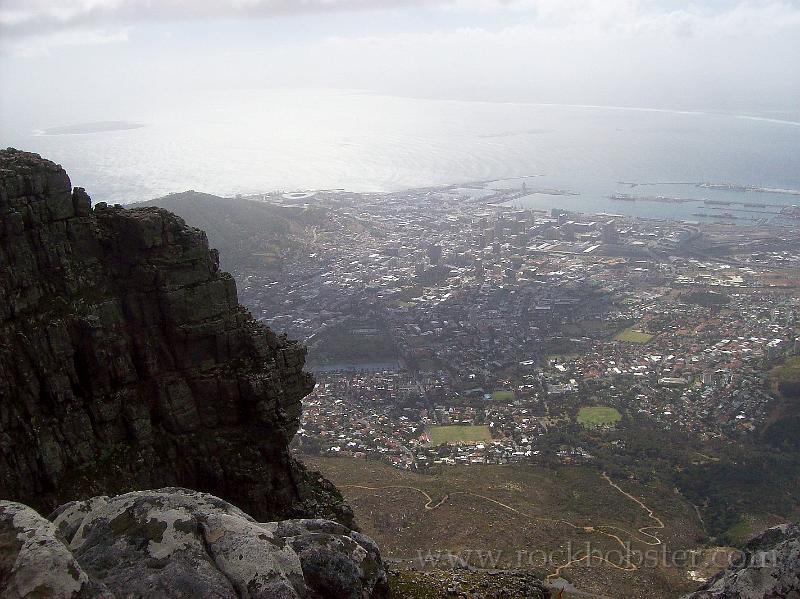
x,y
769,569
175,542
35,561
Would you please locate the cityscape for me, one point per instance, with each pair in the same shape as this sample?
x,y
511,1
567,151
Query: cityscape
x,y
399,299
448,326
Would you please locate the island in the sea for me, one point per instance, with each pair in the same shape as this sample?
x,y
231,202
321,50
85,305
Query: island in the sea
x,y
93,127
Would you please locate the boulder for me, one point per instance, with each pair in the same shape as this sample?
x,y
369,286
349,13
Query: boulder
x,y
769,569
35,561
174,542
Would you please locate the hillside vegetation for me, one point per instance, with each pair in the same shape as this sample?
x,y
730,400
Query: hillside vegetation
x,y
247,233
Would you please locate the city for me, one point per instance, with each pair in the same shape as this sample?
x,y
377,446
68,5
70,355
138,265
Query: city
x,y
447,326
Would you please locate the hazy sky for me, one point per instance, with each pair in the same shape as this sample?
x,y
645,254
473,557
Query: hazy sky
x,y
719,54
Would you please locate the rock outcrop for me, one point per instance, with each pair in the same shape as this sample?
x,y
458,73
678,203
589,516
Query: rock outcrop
x,y
179,543
127,363
769,569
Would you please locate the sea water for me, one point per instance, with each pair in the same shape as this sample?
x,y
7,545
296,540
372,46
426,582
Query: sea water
x,y
575,157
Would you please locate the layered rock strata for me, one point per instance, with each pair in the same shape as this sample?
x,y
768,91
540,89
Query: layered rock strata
x,y
127,363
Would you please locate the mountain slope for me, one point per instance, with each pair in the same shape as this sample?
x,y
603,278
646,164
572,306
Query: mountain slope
x,y
246,233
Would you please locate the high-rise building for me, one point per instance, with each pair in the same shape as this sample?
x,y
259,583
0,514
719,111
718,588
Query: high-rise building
x,y
434,253
479,272
608,233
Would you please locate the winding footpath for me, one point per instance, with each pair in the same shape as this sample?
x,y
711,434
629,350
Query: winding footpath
x,y
650,538
428,506
654,540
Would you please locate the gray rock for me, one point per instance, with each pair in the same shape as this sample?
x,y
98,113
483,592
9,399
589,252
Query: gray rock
x,y
770,569
336,562
174,542
126,361
35,561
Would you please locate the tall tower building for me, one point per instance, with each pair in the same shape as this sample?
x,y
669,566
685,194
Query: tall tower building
x,y
434,253
608,234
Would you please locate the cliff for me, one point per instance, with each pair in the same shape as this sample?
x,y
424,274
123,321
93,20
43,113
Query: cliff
x,y
127,363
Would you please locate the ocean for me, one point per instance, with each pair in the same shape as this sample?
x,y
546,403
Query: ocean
x,y
575,157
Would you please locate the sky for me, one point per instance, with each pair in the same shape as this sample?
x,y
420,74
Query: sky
x,y
731,55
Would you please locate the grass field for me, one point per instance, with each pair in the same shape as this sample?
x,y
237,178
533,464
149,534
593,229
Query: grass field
x,y
598,416
503,396
459,434
631,335
390,507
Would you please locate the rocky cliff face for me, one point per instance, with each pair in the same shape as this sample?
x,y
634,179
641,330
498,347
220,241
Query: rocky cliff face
x,y
127,363
770,569
179,543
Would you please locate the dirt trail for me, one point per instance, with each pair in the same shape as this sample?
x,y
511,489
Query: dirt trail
x,y
428,506
601,529
650,514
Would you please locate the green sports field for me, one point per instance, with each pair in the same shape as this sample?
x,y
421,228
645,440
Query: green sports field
x,y
631,335
455,434
598,416
503,396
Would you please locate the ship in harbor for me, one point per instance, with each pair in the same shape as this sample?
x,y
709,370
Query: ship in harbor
x,y
623,197
718,216
627,197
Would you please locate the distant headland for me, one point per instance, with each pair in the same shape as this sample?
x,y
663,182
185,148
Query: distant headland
x,y
93,127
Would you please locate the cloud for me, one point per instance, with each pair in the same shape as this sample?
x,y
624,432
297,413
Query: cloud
x,y
651,52
613,20
611,52
36,17
42,45
25,17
